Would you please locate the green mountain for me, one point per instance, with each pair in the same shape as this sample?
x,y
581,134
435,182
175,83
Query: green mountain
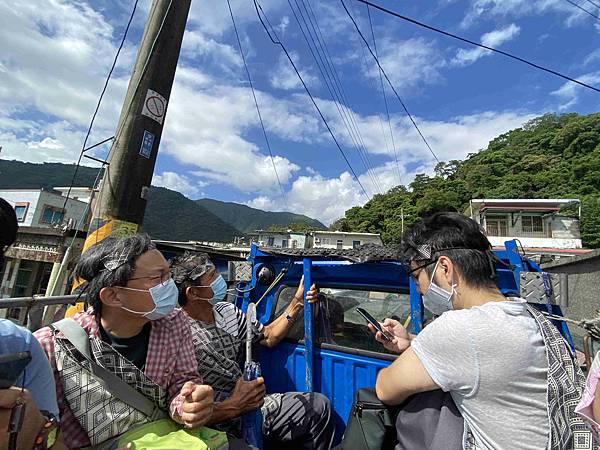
x,y
249,219
549,157
169,214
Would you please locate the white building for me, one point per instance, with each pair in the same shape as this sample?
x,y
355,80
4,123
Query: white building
x,y
343,240
314,239
41,208
537,223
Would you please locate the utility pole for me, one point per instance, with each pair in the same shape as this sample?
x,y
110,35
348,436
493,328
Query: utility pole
x,y
123,193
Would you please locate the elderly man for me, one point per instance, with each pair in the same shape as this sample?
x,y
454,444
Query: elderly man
x,y
135,332
299,420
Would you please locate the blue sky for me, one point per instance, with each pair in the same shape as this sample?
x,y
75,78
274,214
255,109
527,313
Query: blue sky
x,y
54,55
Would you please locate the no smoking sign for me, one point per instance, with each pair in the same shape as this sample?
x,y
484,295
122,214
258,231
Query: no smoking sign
x,y
155,106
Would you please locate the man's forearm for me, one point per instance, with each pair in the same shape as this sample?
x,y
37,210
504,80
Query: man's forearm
x,y
279,328
224,411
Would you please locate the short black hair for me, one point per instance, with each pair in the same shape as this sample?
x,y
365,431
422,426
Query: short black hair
x,y
459,238
187,270
8,228
110,262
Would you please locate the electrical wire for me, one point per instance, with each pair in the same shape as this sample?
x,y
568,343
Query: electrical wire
x,y
275,40
262,125
387,109
477,44
592,3
110,72
337,82
353,133
390,82
583,9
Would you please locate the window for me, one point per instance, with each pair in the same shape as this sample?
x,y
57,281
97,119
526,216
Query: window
x,y
340,244
496,225
326,241
52,215
270,241
336,319
355,244
532,226
21,211
284,243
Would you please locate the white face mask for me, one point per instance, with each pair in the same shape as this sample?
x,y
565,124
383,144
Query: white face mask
x,y
164,297
437,299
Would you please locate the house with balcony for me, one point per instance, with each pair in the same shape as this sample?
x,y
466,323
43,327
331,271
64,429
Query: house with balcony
x,y
314,239
542,227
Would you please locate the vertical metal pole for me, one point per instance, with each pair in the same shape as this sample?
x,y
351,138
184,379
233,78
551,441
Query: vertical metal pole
x,y
308,325
416,307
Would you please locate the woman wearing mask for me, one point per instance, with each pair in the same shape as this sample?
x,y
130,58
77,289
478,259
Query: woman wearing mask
x,y
135,332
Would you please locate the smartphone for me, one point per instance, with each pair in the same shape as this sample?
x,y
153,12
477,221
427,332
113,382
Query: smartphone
x,y
11,367
369,318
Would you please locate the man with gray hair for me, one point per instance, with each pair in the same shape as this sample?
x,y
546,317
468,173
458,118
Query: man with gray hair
x,y
296,419
135,332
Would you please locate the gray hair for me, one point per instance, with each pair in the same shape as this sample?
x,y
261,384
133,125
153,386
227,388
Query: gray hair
x,y
187,269
110,262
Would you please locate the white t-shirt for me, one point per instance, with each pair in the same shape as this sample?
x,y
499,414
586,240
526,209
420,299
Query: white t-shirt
x,y
492,360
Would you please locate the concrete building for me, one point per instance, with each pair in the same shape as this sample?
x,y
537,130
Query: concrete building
x,y
539,224
50,234
314,239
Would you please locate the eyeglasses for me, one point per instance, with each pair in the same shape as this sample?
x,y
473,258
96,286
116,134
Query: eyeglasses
x,y
417,270
163,278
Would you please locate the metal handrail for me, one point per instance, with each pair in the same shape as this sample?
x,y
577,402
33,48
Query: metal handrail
x,y
38,300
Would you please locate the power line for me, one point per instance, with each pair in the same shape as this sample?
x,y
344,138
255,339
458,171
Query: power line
x,y
583,9
346,117
390,83
336,78
477,44
387,110
110,72
262,125
592,3
275,40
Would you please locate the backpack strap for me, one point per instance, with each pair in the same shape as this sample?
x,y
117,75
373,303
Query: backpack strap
x,y
77,336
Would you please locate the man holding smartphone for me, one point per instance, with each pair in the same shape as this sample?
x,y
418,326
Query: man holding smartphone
x,y
29,405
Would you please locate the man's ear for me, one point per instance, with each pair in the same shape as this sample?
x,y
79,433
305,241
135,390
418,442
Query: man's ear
x,y
190,292
109,297
447,269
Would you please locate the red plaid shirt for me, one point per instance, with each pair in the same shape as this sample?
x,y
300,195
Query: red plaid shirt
x,y
170,362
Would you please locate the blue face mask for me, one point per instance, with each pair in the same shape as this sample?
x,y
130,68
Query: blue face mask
x,y
219,288
164,297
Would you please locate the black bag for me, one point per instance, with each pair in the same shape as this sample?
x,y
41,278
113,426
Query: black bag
x,y
371,425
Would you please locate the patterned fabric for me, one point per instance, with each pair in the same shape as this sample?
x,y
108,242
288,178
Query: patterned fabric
x,y
100,414
232,320
584,408
565,387
170,363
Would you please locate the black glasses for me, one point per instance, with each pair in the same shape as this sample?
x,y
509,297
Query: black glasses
x,y
412,271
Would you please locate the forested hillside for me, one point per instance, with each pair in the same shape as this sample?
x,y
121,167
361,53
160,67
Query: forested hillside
x,y
549,157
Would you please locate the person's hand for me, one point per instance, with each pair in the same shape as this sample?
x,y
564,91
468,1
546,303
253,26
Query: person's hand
x,y
249,395
32,421
198,404
401,337
313,295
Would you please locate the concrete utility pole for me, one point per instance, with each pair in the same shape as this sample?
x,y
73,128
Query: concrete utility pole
x,y
124,189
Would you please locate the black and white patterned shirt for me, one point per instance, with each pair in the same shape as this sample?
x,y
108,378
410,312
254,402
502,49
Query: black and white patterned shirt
x,y
220,348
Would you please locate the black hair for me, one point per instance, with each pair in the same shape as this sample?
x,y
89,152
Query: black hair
x,y
187,270
8,228
110,262
459,238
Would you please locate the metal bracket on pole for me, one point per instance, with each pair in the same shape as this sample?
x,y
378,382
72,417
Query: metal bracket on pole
x,y
308,325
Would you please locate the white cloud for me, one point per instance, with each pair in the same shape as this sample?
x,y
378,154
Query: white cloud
x,y
179,183
495,9
492,39
569,93
409,64
196,44
284,76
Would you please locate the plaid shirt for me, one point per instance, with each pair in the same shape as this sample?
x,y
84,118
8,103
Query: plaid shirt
x,y
170,362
